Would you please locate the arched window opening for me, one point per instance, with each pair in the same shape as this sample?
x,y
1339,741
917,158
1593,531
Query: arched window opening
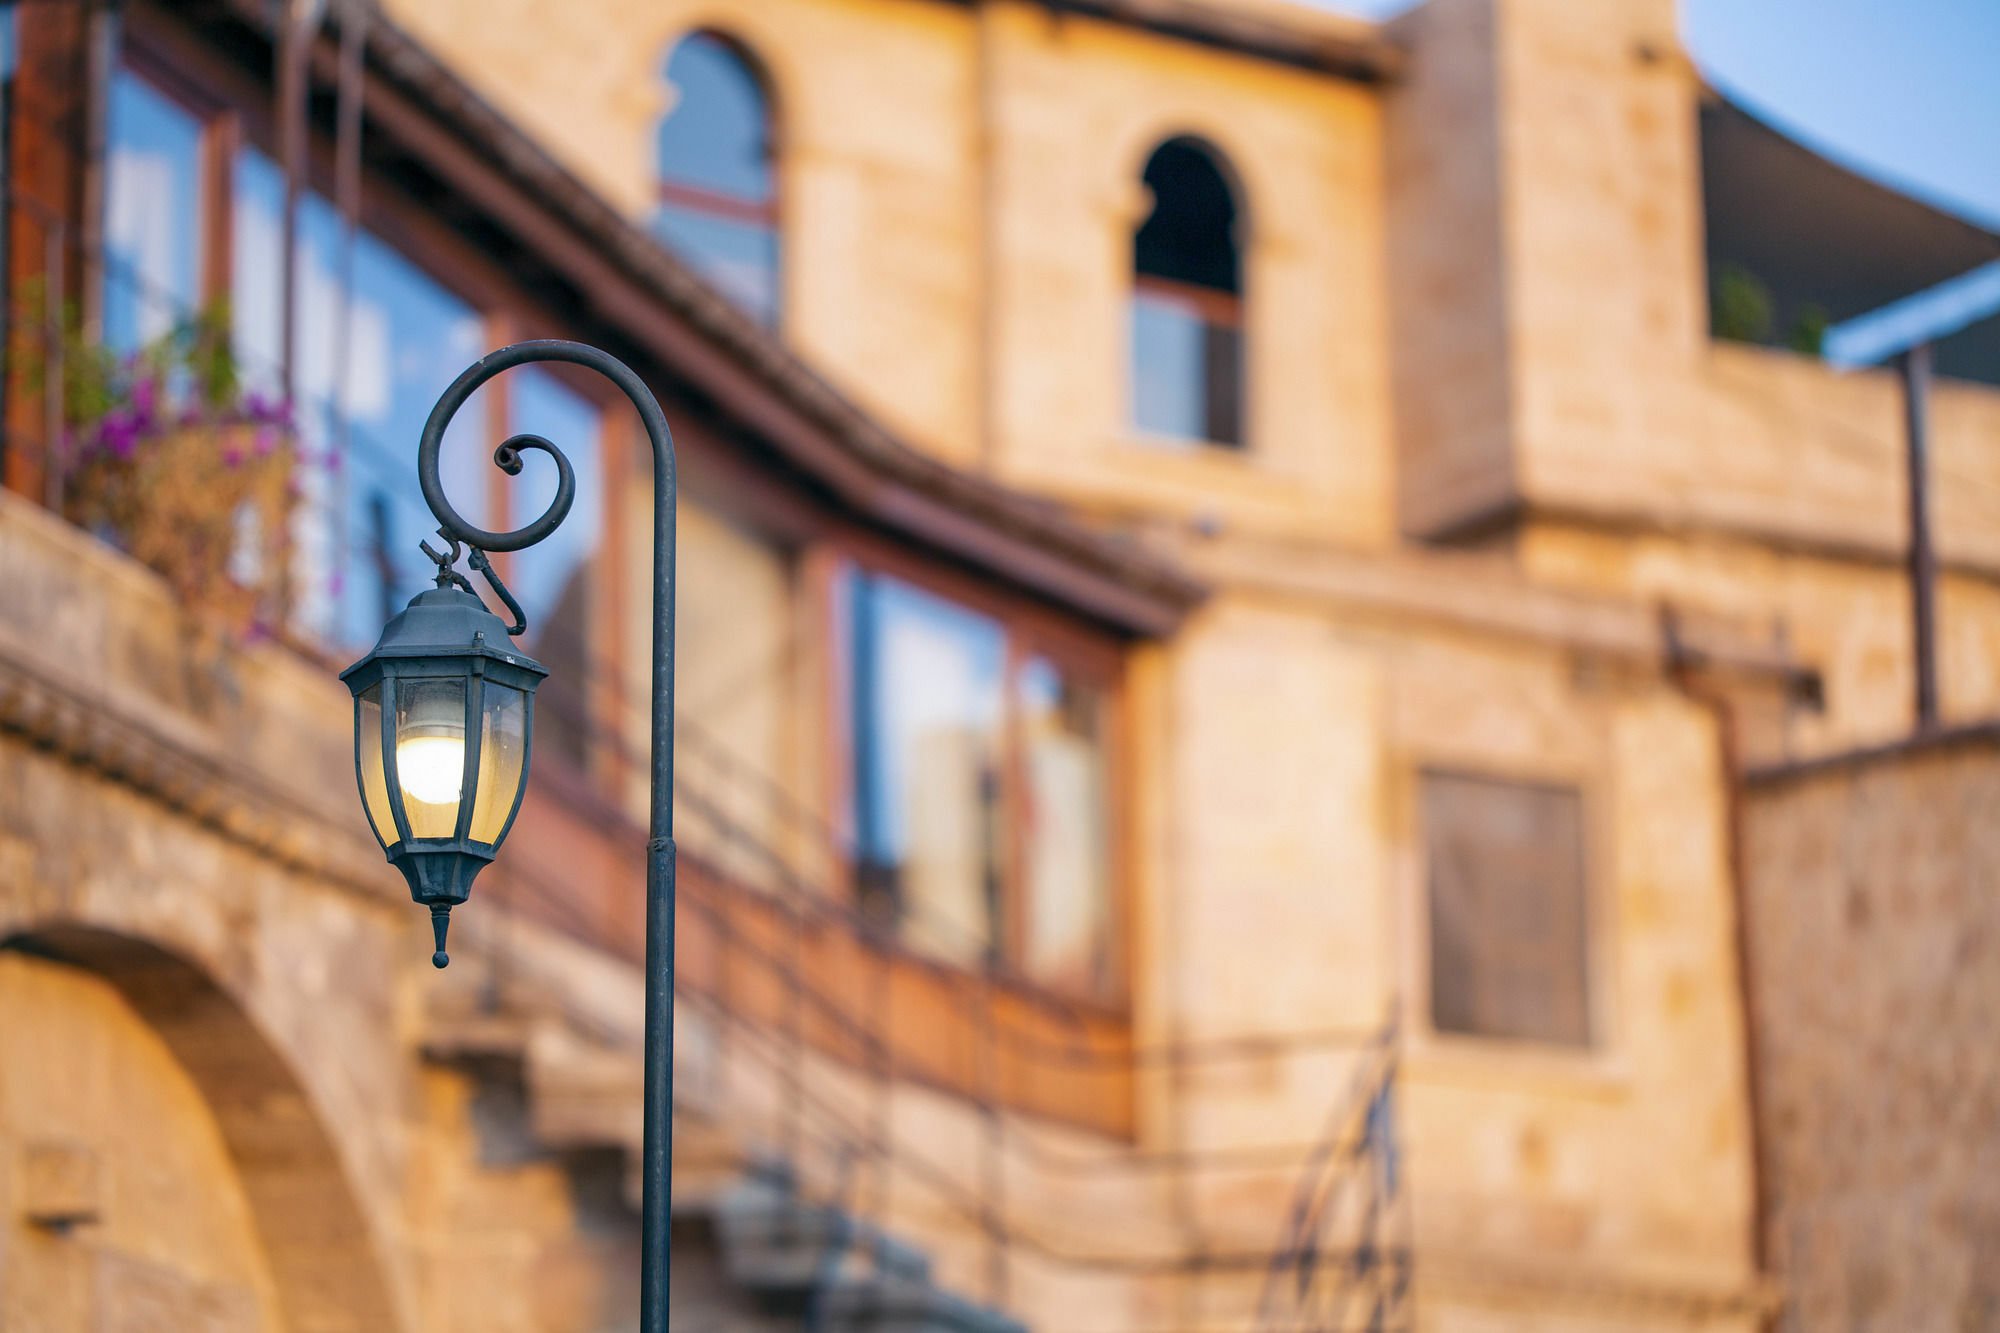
x,y
1187,301
717,191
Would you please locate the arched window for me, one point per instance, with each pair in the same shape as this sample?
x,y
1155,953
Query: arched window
x,y
718,196
1187,301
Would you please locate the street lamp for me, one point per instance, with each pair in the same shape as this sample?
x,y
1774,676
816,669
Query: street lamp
x,y
443,721
442,710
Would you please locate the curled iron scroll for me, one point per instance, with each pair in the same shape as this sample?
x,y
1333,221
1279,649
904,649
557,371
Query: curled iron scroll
x,y
507,458
453,526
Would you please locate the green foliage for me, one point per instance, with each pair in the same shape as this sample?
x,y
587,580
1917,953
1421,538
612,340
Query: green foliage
x,y
1809,328
1740,306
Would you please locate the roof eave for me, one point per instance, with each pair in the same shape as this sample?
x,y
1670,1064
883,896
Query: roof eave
x,y
808,422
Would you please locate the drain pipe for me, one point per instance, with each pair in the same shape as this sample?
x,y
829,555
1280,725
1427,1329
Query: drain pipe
x,y
1683,667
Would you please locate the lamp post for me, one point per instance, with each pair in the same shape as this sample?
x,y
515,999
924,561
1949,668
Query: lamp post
x,y
443,714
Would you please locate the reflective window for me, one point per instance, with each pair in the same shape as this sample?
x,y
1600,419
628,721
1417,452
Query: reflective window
x,y
927,681
553,580
360,401
981,789
1065,911
717,194
1187,306
9,54
152,215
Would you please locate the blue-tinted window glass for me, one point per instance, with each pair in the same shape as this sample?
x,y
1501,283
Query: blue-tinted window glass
x,y
740,258
8,48
256,294
1066,918
152,215
553,580
1187,318
716,135
1167,367
553,577
409,339
928,681
360,401
716,206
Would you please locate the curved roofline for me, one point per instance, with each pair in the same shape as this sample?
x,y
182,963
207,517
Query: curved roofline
x,y
690,330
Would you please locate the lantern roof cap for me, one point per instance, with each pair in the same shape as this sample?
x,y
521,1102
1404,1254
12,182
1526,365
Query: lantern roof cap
x,y
447,622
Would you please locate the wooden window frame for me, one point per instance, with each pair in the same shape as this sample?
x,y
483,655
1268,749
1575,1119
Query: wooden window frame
x,y
1030,631
236,113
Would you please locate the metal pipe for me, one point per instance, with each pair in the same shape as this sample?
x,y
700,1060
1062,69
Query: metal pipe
x,y
1916,367
656,1165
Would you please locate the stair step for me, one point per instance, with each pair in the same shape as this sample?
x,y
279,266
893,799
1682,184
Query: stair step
x,y
780,1244
899,1305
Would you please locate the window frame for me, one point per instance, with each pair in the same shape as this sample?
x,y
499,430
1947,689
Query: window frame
x,y
1585,961
221,134
1029,631
717,204
1599,1066
1212,306
236,113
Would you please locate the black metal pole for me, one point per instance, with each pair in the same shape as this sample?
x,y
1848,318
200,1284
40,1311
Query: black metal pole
x,y
657,1164
1916,368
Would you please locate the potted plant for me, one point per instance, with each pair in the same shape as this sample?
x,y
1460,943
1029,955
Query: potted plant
x,y
169,459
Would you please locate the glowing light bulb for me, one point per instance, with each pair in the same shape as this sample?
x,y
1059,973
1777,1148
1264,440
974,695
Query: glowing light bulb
x,y
431,768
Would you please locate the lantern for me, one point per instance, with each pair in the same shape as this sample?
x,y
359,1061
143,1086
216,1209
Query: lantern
x,y
443,710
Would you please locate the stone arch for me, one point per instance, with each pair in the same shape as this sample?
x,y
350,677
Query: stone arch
x,y
316,1239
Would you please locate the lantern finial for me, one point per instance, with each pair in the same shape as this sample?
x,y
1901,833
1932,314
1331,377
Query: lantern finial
x,y
440,923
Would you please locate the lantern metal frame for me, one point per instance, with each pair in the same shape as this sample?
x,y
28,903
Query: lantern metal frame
x,y
446,634
656,1165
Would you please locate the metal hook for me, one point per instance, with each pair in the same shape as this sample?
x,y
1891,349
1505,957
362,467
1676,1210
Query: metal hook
x,y
485,566
446,575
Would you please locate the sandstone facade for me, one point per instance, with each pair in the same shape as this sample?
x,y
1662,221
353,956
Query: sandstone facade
x,y
1506,511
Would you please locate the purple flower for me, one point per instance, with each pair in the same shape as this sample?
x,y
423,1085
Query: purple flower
x,y
264,441
232,456
271,411
119,434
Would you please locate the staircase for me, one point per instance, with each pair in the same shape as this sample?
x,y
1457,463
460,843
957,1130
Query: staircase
x,y
817,1264
752,1252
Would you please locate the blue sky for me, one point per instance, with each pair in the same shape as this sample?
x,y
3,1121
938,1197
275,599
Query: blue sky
x,y
1907,91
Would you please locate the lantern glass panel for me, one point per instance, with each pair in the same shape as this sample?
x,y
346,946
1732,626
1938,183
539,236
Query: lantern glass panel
x,y
374,778
503,755
430,753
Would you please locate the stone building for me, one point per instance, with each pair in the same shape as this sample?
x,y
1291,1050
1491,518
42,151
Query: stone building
x,y
1870,913
1227,584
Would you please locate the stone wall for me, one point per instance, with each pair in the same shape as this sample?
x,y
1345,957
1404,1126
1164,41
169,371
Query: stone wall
x,y
1873,906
